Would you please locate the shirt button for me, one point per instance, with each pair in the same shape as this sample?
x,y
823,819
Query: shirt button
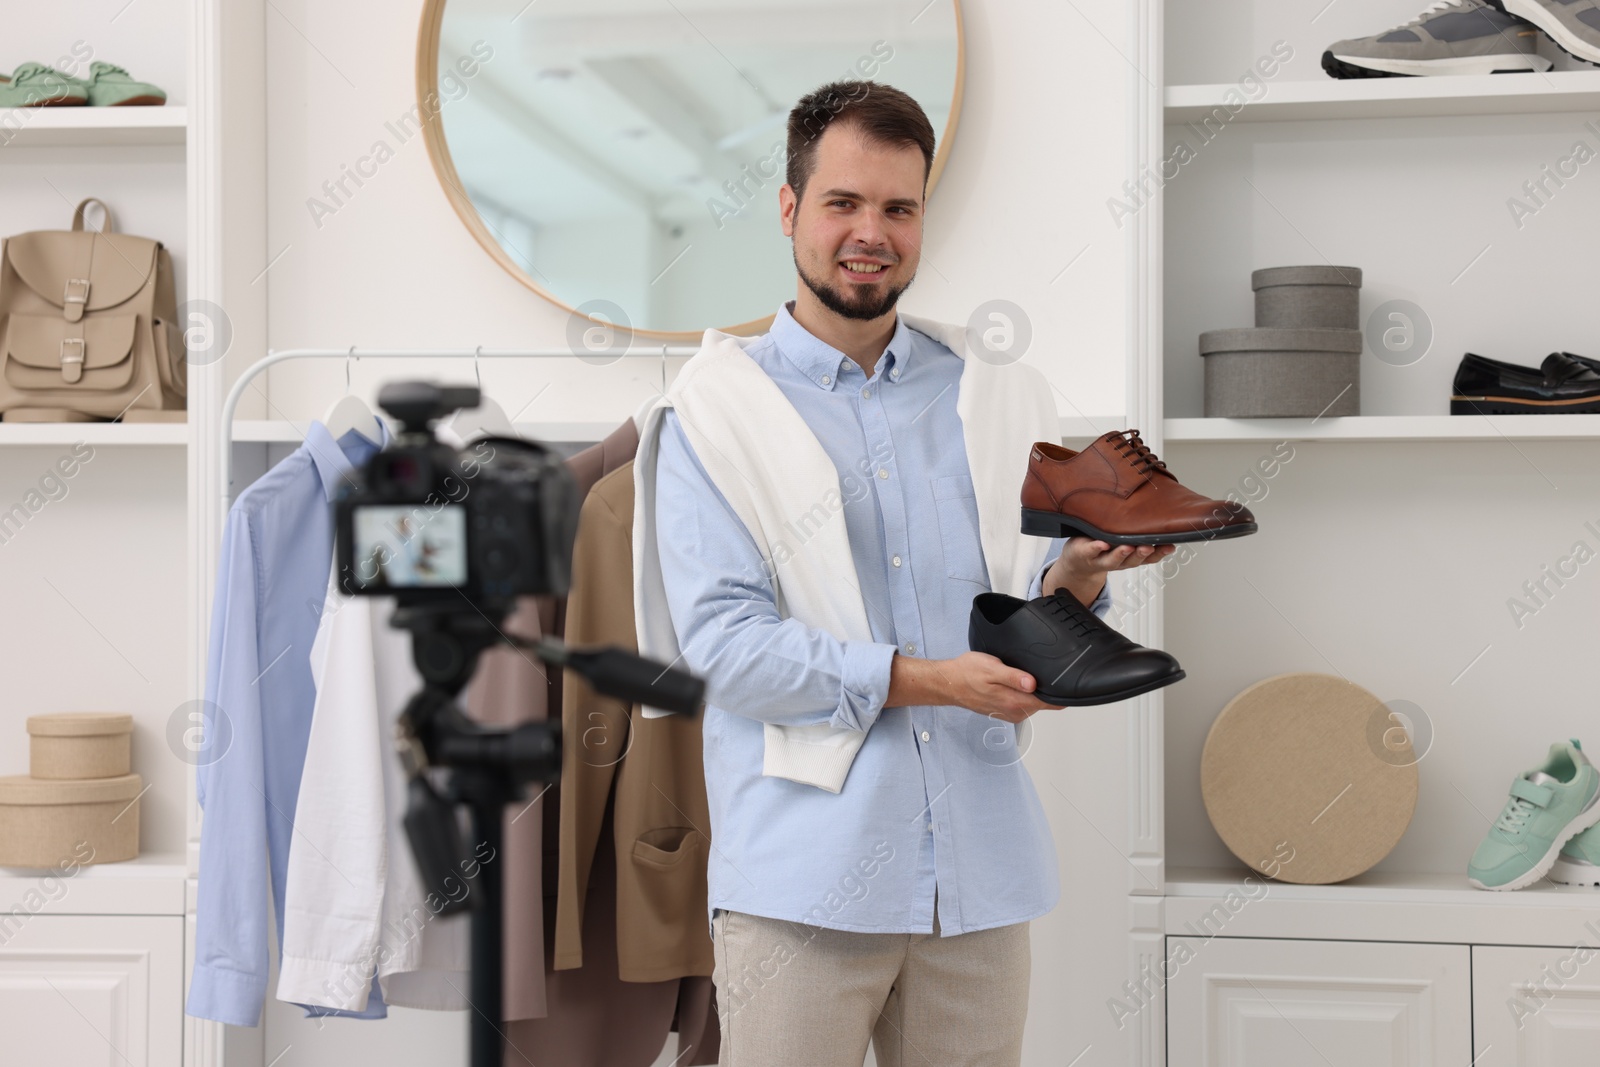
x,y
896,561
925,740
911,648
930,827
895,373
826,379
866,394
883,472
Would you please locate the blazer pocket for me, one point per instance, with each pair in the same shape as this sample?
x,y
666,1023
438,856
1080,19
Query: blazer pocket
x,y
957,509
670,864
668,848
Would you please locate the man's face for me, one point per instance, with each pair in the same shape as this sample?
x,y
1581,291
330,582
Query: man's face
x,y
862,207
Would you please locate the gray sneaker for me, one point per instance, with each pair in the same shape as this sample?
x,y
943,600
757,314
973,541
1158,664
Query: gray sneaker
x,y
1451,37
1574,25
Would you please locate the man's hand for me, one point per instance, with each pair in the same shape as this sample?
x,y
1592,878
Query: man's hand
x,y
973,680
1084,564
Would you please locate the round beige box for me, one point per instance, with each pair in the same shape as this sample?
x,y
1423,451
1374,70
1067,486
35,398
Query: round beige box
x,y
79,744
44,823
1306,779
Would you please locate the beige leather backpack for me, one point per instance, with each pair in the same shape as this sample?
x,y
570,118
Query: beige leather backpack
x,y
88,326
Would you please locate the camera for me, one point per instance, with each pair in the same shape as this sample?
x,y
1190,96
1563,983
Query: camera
x,y
427,523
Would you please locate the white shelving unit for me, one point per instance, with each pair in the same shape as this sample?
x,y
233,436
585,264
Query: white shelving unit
x,y
1390,98
92,127
1389,428
1390,560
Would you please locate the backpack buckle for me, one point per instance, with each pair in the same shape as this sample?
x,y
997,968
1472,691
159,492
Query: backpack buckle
x,y
75,298
72,360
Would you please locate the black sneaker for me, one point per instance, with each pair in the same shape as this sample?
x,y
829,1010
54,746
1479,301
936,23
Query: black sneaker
x,y
1075,658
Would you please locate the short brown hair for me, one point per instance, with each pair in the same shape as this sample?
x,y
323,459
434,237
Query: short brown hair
x,y
882,113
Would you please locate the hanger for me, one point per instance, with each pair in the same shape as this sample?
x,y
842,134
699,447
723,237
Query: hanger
x,y
485,420
644,408
350,412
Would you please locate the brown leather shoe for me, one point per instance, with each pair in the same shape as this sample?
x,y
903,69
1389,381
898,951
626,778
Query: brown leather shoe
x,y
1117,491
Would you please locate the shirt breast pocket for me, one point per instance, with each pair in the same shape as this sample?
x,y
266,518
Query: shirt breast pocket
x,y
957,509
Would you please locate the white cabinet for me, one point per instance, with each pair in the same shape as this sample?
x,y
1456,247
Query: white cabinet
x,y
1533,1007
91,990
1235,1002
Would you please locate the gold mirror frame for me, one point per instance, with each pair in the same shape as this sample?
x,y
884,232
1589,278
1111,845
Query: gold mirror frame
x,y
439,152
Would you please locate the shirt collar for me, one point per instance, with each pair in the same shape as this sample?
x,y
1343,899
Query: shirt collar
x,y
336,459
818,360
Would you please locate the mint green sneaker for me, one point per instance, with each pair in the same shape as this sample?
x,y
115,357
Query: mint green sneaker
x,y
36,85
1579,862
110,86
1549,805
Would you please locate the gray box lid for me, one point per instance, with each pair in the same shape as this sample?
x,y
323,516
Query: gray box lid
x,y
1266,276
1267,339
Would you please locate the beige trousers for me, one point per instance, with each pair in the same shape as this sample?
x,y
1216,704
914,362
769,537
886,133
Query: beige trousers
x,y
792,995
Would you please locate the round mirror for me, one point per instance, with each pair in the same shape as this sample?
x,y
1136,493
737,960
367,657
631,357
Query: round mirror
x,y
622,158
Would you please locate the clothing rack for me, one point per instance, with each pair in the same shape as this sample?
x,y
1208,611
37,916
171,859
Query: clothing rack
x,y
351,354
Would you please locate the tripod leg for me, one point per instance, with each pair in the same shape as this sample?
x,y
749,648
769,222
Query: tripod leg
x,y
488,1039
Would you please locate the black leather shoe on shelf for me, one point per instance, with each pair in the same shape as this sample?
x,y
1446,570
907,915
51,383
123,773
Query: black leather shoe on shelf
x,y
1075,659
1563,383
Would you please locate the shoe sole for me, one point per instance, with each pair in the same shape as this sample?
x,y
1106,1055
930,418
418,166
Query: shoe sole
x,y
1566,872
1553,28
1510,405
1053,524
1146,687
1585,819
1373,67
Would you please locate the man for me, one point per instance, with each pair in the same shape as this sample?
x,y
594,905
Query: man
x,y
891,905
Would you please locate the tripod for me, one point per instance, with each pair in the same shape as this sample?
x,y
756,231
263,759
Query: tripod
x,y
489,768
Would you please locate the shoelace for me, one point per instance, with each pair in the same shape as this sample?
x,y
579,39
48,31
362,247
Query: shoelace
x,y
1437,8
1070,610
1131,447
1515,815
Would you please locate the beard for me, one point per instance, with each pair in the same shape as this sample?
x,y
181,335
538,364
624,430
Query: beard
x,y
863,304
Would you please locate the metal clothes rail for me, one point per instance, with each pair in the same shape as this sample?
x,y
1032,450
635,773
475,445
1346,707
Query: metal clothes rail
x,y
663,353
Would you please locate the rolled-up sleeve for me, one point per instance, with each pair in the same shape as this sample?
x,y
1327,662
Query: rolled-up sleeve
x,y
724,608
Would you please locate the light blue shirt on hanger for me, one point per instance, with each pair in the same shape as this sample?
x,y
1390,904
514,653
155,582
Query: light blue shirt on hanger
x,y
937,805
277,551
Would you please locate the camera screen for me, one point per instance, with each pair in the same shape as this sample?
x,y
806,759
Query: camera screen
x,y
408,547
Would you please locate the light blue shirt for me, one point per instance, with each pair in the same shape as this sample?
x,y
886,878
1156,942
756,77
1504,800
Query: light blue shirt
x,y
937,804
277,550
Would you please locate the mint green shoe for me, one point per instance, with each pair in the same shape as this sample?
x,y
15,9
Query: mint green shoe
x,y
1579,862
1549,805
36,85
110,86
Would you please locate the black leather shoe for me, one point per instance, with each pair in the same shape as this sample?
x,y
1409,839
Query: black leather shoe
x,y
1562,384
1592,364
1075,659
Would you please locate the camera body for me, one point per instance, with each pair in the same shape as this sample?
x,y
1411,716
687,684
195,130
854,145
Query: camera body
x,y
478,526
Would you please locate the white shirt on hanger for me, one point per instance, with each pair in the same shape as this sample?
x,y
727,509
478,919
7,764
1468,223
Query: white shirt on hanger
x,y
355,904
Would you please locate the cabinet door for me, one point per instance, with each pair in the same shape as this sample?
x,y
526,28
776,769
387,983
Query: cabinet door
x,y
91,990
1234,1002
1536,1006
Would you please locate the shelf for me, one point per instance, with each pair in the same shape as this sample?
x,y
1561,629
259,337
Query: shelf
x,y
93,433
1419,907
151,884
282,431
37,127
1388,428
1480,94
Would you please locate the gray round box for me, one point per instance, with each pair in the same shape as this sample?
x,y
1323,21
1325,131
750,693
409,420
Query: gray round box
x,y
1292,298
1263,373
